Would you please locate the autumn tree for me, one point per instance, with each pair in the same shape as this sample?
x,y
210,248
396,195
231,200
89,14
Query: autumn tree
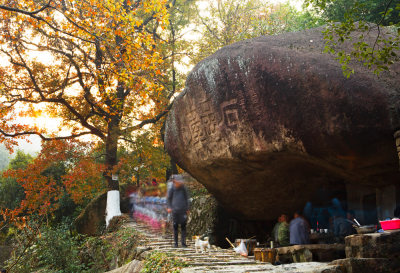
x,y
63,167
224,22
101,76
12,193
144,159
177,51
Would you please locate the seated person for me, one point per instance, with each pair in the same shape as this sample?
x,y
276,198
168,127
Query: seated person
x,y
299,230
283,231
350,216
342,227
274,233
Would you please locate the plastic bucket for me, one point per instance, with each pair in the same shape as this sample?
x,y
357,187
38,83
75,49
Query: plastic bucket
x,y
390,224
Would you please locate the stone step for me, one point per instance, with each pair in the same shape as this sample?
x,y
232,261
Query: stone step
x,y
217,260
165,244
155,240
229,269
232,262
222,256
202,258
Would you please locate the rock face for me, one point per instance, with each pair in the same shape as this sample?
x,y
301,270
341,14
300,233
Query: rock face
x,y
270,123
91,221
133,267
365,265
203,216
374,245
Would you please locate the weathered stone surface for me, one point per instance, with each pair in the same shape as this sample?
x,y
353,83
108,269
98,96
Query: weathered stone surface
x,y
309,253
91,221
366,265
203,216
374,245
133,267
267,119
265,267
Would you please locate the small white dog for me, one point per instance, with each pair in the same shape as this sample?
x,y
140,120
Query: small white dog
x,y
202,244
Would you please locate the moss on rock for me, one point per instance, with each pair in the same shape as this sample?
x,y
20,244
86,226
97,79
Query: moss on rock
x,y
203,216
91,221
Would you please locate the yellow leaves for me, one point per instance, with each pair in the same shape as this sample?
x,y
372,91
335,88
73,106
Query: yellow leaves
x,y
101,45
138,23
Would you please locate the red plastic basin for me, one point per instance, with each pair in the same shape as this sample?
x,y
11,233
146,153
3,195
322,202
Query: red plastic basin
x,y
390,224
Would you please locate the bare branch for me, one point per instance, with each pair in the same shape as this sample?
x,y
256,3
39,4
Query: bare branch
x,y
30,13
380,22
27,133
39,18
149,121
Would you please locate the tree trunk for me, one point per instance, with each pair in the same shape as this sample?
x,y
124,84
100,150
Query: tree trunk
x,y
113,196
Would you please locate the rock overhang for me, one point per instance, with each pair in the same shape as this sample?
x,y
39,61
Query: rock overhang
x,y
264,118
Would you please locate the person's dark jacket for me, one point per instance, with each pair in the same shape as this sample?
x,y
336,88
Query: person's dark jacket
x,y
178,199
343,227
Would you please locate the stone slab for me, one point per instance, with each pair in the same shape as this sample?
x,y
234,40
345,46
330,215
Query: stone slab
x,y
308,253
367,265
374,245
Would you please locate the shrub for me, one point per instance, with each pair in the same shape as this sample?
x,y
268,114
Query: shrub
x,y
100,253
116,223
54,249
48,249
159,262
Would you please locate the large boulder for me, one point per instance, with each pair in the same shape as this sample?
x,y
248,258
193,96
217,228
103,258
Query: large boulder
x,y
270,123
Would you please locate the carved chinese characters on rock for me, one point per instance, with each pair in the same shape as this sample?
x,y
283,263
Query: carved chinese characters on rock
x,y
202,122
202,132
230,113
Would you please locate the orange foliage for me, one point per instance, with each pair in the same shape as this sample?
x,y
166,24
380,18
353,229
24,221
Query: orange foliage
x,y
42,191
102,80
103,76
84,181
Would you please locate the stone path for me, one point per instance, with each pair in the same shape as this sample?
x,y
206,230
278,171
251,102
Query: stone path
x,y
218,260
216,256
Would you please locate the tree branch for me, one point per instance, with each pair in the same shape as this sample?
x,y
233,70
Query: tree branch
x,y
30,13
149,121
40,19
380,22
27,133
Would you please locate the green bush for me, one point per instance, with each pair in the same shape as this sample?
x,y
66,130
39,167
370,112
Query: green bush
x,y
159,262
50,250
100,253
54,249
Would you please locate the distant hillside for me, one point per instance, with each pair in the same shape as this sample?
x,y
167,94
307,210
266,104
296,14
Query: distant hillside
x,y
32,148
4,158
29,148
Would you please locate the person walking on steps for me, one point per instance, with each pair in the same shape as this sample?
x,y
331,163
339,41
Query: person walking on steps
x,y
178,205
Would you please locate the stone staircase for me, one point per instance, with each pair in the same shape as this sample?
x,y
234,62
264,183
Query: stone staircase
x,y
216,256
216,260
